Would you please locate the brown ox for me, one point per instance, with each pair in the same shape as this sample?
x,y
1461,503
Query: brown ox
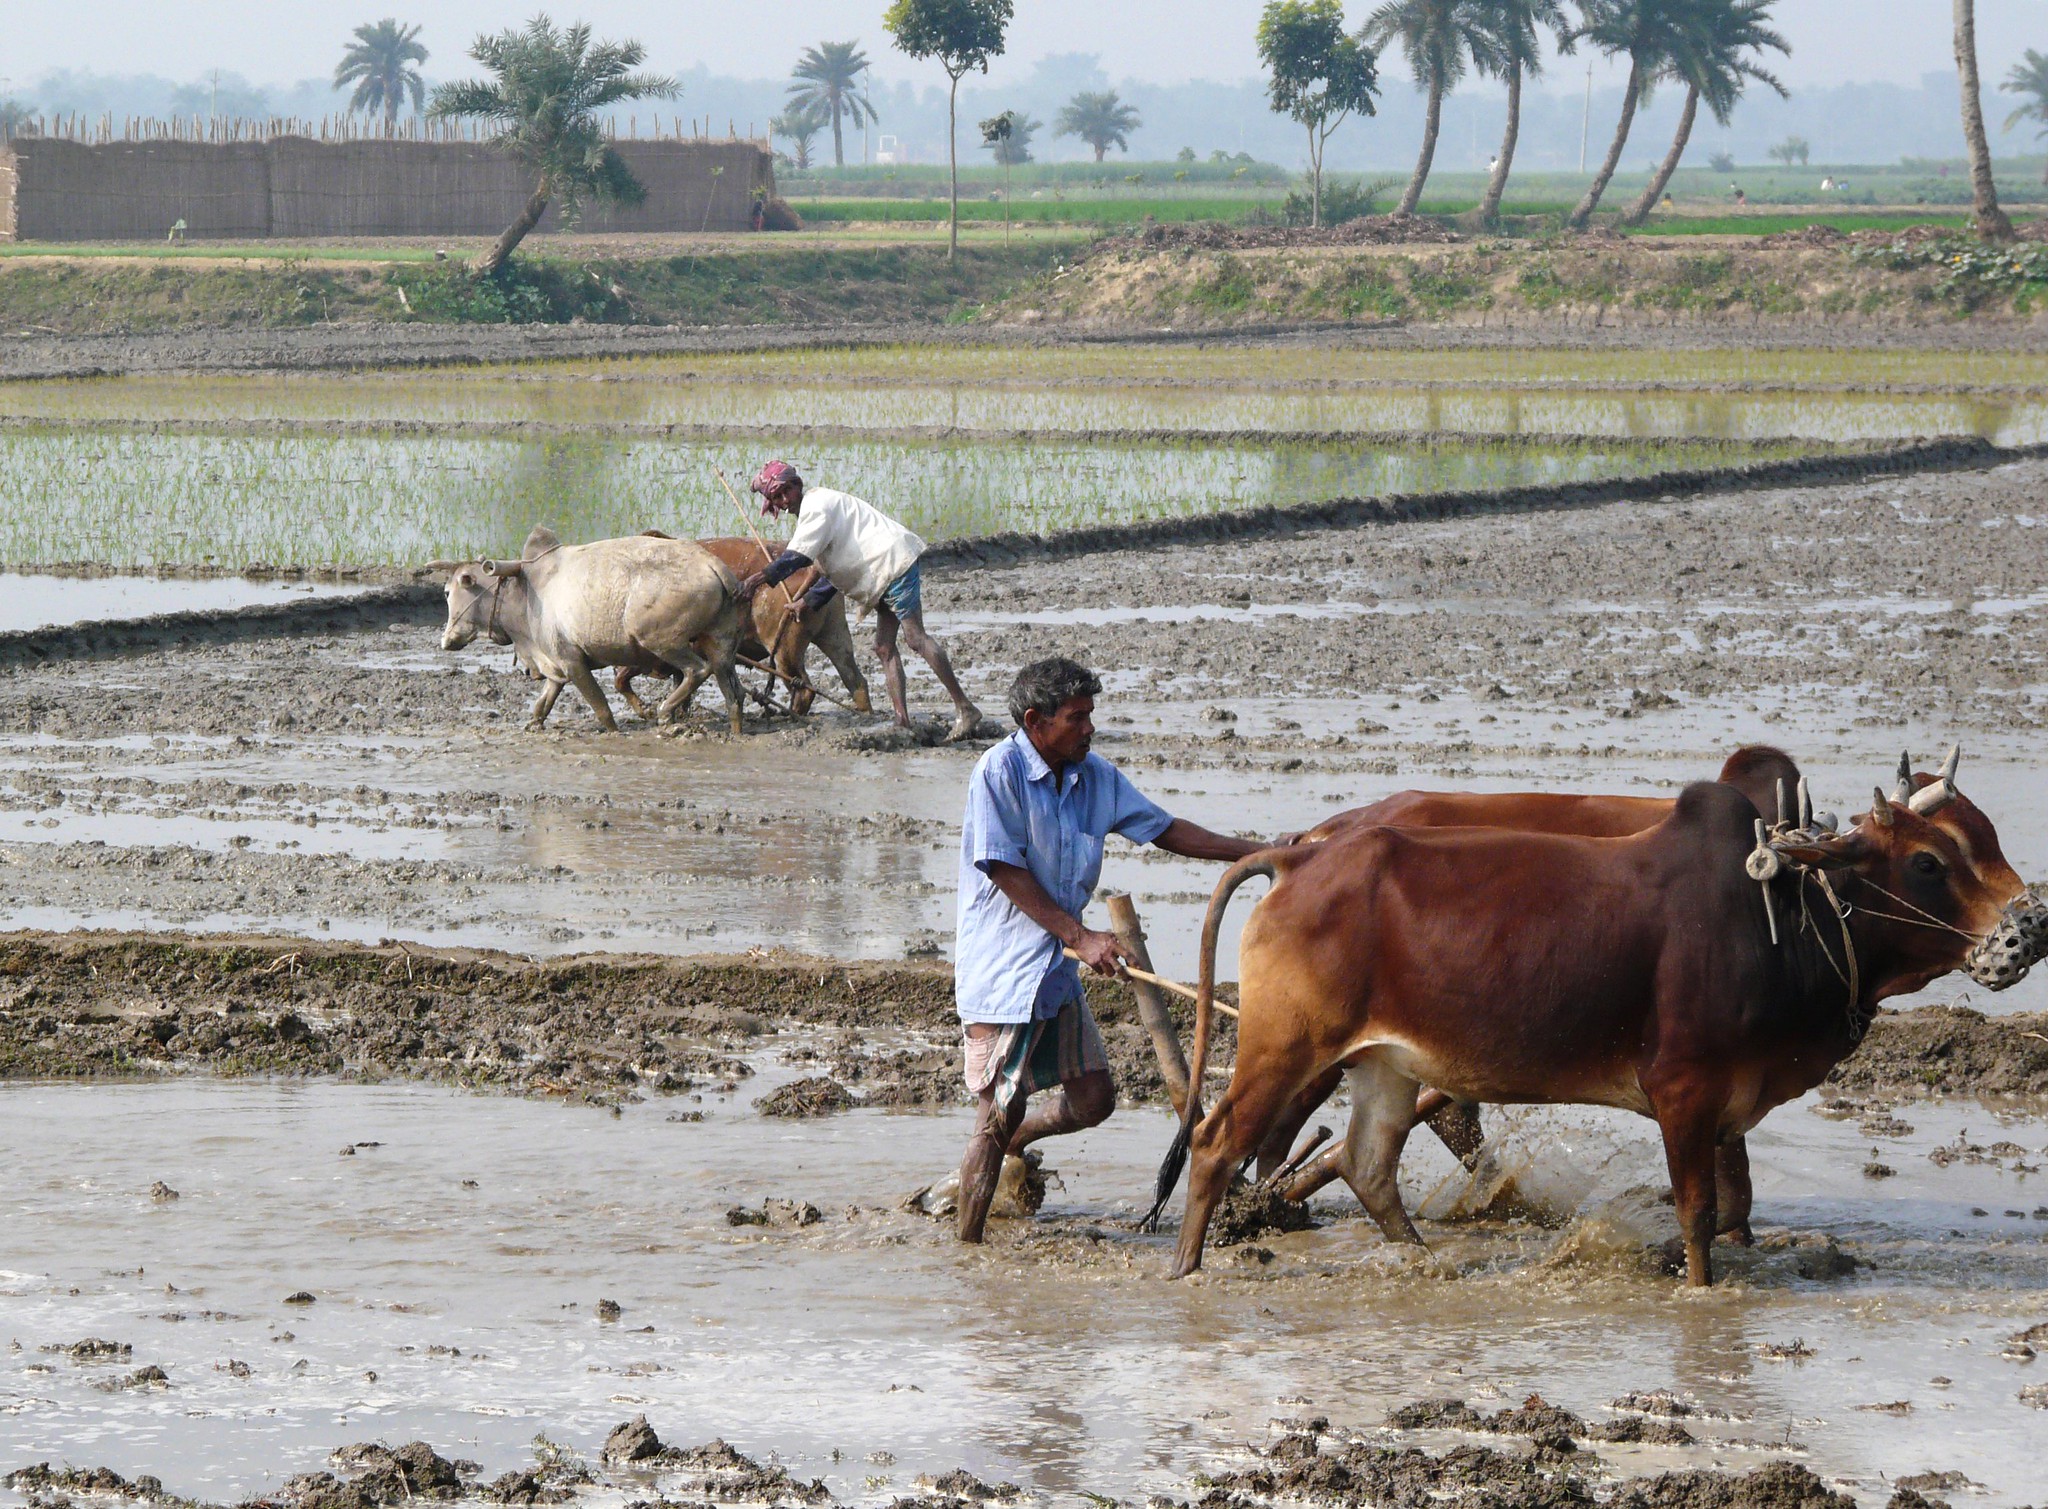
x,y
1636,972
1767,776
775,624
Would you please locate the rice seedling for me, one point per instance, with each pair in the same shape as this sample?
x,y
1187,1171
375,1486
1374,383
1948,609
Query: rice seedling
x,y
235,500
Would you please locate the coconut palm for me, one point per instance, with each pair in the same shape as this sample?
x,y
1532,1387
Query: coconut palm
x,y
1649,33
1437,36
828,77
1513,52
1100,119
2029,79
1715,62
1992,224
545,99
380,64
799,125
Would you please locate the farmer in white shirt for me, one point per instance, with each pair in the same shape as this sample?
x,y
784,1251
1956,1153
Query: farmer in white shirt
x,y
861,551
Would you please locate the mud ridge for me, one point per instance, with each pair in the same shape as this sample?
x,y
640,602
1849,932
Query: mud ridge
x,y
114,638
1962,453
602,1027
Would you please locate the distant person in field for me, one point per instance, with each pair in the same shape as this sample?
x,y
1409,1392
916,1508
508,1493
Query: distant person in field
x,y
861,551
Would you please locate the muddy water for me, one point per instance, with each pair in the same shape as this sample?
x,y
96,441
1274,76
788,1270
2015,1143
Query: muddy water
x,y
457,1264
32,601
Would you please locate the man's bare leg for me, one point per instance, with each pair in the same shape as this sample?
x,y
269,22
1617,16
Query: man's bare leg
x,y
892,663
966,716
982,1166
1074,1107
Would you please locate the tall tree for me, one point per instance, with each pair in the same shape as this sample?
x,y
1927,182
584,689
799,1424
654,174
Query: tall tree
x,y
2028,79
1649,34
1513,52
380,64
799,125
1437,36
17,117
1319,75
828,77
1715,62
962,35
1992,224
1100,119
544,98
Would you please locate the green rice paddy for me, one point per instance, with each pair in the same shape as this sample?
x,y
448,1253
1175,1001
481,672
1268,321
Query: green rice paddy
x,y
129,499
386,469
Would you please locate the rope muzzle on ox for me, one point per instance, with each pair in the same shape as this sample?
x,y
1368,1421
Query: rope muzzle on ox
x,y
500,572
1998,960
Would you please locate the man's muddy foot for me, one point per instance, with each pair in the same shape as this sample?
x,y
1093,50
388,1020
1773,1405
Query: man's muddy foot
x,y
965,724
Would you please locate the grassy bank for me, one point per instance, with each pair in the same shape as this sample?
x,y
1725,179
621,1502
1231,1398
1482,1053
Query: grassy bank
x,y
1202,281
787,283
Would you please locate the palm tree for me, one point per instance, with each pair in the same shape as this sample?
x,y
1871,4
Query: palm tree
x,y
379,63
1649,33
2029,78
1100,119
1437,36
828,78
1714,63
1991,222
549,87
1513,51
799,125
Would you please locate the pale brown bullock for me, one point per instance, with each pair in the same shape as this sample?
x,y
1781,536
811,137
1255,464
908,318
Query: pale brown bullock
x,y
774,624
1637,972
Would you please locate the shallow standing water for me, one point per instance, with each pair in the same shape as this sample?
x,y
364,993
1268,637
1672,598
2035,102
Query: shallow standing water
x,y
463,1313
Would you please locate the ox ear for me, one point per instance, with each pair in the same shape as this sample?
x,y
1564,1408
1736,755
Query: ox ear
x,y
444,565
1832,851
540,540
656,534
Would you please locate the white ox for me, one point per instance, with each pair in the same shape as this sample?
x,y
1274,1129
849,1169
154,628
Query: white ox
x,y
666,607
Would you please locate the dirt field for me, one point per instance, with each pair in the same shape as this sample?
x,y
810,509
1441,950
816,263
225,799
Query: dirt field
x,y
283,894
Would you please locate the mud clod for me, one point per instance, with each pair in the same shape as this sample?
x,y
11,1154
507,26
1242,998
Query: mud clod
x,y
634,1441
1777,1485
1253,1210
818,1096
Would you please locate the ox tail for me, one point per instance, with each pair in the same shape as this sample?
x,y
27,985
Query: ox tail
x,y
1263,863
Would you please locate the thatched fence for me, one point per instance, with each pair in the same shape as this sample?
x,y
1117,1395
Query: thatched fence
x,y
53,188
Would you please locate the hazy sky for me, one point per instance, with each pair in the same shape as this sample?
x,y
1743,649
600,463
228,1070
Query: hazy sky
x,y
279,41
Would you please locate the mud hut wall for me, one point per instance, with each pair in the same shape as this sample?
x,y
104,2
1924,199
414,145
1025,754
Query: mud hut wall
x,y
66,191
57,190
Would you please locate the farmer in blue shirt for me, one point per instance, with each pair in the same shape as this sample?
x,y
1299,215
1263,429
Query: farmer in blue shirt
x,y
1038,808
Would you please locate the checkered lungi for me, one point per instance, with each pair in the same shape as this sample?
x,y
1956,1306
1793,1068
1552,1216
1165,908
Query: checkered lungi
x,y
1037,1055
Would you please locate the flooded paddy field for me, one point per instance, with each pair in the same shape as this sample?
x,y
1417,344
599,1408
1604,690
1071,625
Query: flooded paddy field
x,y
383,468
375,809
449,1272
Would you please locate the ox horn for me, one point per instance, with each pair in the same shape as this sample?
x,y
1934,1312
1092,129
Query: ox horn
x,y
1880,808
505,568
1902,789
1942,790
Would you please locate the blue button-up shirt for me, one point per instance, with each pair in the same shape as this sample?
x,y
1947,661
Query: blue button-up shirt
x,y
1006,968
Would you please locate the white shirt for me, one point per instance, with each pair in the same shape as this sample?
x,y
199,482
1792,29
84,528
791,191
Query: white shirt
x,y
859,548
